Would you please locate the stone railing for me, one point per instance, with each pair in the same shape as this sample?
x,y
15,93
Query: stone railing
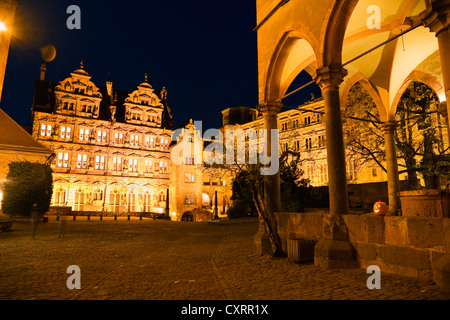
x,y
400,245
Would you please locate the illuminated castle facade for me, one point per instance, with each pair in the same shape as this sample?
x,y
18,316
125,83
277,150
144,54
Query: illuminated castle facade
x,y
111,148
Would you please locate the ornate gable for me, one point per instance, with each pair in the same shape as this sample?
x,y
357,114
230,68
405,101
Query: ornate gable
x,y
143,106
78,95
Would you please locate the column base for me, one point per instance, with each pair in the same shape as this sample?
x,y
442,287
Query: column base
x,y
262,241
335,254
441,272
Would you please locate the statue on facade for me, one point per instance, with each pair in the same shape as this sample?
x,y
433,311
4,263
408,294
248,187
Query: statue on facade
x,y
163,94
55,130
89,198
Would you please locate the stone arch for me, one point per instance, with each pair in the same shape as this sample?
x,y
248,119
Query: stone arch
x,y
293,36
420,76
333,32
188,216
206,199
359,78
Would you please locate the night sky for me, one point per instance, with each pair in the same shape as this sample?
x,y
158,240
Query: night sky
x,y
203,51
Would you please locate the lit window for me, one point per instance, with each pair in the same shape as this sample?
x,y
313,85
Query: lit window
x,y
189,178
117,164
79,200
60,197
163,167
82,161
100,163
134,140
189,199
65,132
133,167
147,202
63,160
84,134
49,130
148,166
189,161
98,195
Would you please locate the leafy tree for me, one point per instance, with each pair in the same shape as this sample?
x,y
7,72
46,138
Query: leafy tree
x,y
418,138
27,184
295,193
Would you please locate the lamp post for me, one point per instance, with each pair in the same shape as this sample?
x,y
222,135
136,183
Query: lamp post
x,y
7,13
216,207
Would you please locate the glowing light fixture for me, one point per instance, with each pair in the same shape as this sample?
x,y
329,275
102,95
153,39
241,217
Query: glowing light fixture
x,y
2,27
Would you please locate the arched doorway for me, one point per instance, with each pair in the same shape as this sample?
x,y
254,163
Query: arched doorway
x,y
188,217
206,200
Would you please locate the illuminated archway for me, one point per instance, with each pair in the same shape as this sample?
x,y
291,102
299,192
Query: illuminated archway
x,y
296,50
188,217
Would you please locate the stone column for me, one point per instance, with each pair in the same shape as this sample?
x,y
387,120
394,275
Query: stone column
x,y
329,79
334,251
272,194
167,211
443,111
216,207
437,18
271,183
388,129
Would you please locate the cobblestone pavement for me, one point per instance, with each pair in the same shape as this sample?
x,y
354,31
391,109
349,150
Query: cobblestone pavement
x,y
162,260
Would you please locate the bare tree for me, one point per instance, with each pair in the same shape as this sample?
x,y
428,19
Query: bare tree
x,y
418,136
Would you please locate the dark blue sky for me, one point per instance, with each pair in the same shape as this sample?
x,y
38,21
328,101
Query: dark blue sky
x,y
203,51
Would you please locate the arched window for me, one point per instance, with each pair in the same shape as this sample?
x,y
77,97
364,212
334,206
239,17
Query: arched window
x,y
98,195
114,201
60,197
162,196
147,202
131,202
79,200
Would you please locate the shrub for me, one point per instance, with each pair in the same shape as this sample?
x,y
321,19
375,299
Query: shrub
x,y
26,184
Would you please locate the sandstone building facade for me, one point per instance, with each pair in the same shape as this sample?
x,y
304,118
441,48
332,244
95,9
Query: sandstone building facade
x,y
111,147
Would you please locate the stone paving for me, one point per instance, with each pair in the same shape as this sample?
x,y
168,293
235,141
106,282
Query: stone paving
x,y
162,260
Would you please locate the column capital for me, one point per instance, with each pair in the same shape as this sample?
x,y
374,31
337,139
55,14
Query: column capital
x,y
270,108
388,127
330,77
437,15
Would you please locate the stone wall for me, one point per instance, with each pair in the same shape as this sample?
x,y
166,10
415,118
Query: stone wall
x,y
399,245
